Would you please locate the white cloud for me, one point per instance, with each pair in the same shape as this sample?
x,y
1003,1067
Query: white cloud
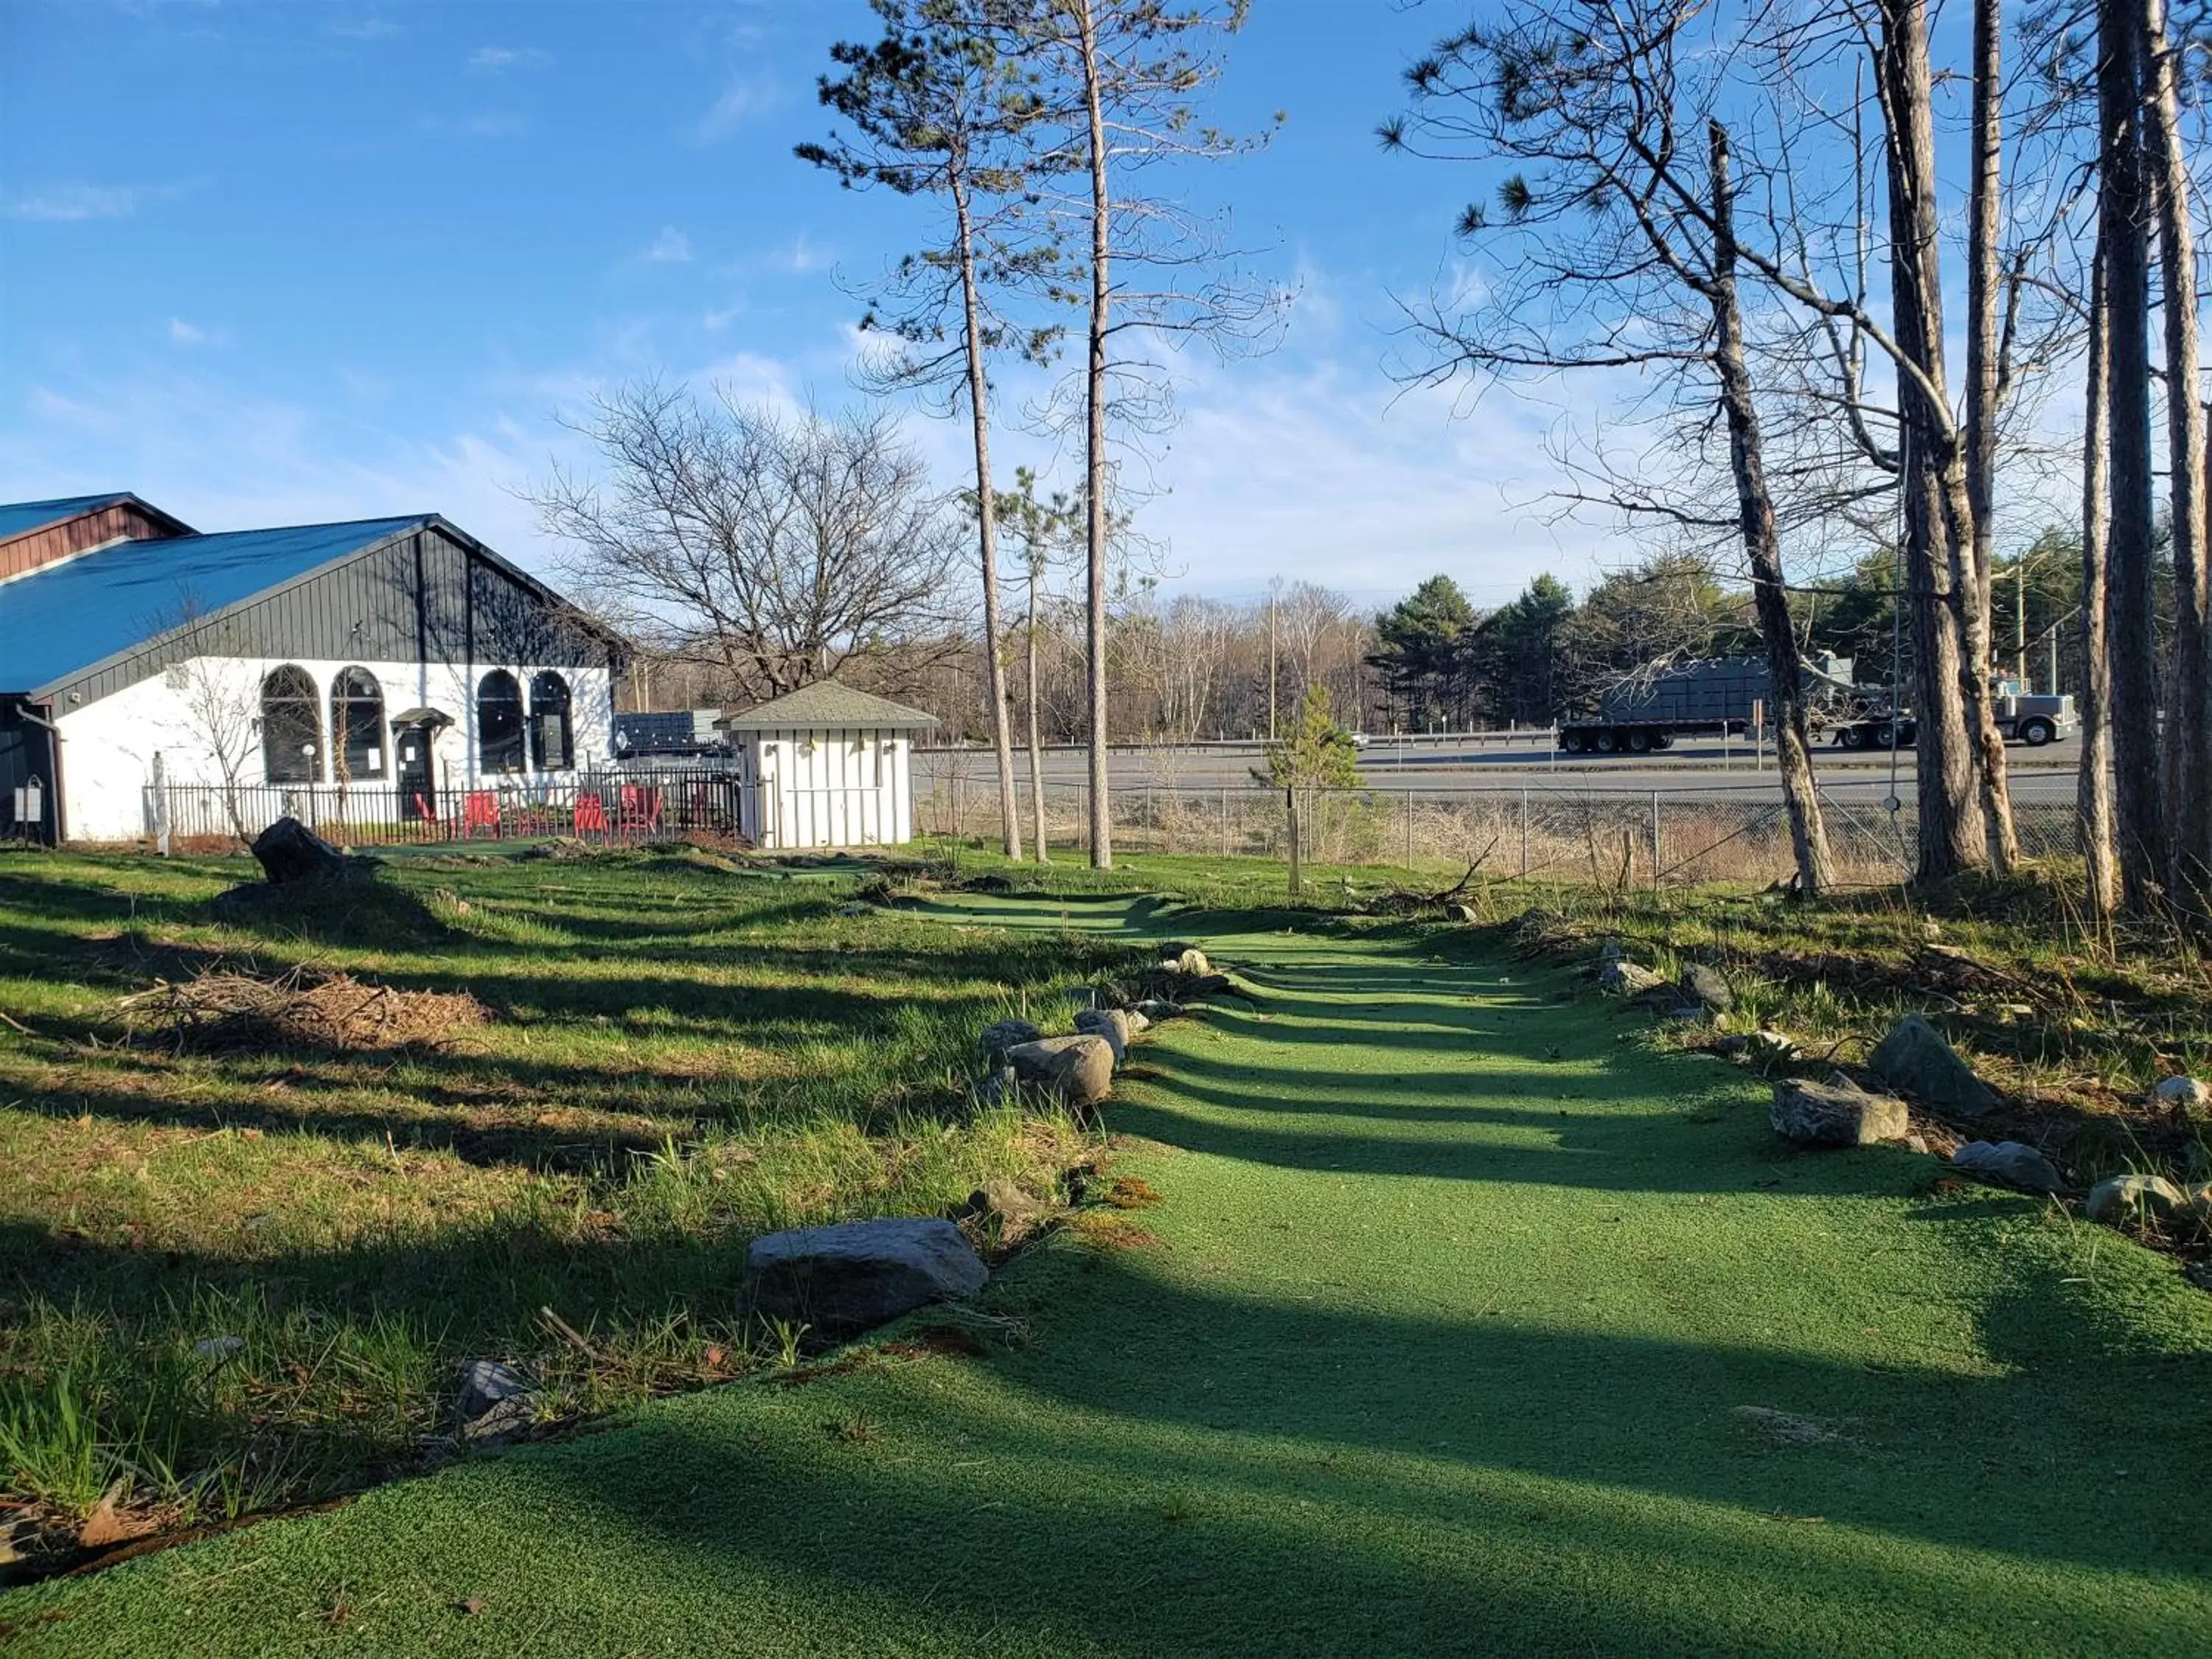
x,y
671,247
493,59
363,28
745,96
67,203
183,333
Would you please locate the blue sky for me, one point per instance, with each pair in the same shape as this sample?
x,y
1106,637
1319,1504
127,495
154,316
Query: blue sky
x,y
283,262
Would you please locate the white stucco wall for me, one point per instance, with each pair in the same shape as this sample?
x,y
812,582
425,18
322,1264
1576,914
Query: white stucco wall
x,y
108,746
829,788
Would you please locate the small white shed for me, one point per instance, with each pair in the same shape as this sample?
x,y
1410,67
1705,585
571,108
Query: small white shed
x,y
826,766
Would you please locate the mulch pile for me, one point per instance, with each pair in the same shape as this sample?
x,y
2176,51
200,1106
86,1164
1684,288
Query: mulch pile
x,y
225,1010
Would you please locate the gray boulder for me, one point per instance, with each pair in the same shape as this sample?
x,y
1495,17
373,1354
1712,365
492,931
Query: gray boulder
x,y
1109,1023
1915,1059
1193,961
841,1280
1079,1069
2134,1197
1623,978
2011,1162
494,1401
1836,1114
1002,1035
289,852
1159,1008
1705,988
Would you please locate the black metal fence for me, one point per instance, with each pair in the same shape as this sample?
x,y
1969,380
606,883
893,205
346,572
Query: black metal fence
x,y
620,808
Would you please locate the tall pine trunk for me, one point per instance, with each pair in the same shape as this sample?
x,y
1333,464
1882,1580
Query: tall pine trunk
x,y
1094,453
1036,748
987,521
2123,218
2188,769
2093,791
1792,748
1936,514
1984,211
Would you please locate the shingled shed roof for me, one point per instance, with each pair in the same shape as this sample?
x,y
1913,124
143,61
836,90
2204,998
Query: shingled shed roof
x,y
827,706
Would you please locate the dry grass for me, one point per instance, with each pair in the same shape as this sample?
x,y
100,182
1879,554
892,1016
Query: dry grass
x,y
223,1011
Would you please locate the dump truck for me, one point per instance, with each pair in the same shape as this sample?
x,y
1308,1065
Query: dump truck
x,y
1717,697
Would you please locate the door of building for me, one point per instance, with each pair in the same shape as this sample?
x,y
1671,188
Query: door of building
x,y
416,775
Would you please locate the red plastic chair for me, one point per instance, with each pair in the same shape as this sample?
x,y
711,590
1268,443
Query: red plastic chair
x,y
590,815
479,811
640,807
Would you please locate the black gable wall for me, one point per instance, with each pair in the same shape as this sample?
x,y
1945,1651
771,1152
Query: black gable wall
x,y
424,597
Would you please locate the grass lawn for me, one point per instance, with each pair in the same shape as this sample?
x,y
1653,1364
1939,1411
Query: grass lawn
x,y
1471,1321
244,1278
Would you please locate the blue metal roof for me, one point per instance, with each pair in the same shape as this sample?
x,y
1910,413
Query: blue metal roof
x,y
18,518
59,620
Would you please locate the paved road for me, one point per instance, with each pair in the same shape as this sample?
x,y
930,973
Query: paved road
x,y
2039,775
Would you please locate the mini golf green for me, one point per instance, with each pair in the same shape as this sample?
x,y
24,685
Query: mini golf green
x,y
1466,1326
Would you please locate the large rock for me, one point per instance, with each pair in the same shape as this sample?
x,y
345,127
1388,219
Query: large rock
x,y
1835,1114
837,1280
1002,1035
1705,986
1159,1008
1194,962
2011,1162
1915,1059
289,852
1112,1024
1623,978
1079,1069
2135,1198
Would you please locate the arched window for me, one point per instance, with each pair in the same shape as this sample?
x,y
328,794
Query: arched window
x,y
357,726
499,722
291,726
549,723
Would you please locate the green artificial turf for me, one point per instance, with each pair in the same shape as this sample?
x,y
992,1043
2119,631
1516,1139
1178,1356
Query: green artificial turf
x,y
1466,1326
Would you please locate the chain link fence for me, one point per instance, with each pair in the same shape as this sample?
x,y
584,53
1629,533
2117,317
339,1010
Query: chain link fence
x,y
1608,838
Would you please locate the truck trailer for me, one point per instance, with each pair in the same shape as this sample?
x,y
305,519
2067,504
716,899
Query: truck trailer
x,y
1717,696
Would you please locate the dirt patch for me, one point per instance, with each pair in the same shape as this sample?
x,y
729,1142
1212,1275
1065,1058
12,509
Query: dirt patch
x,y
1106,1230
938,1342
1128,1193
226,1011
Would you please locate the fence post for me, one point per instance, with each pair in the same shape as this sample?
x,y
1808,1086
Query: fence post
x,y
161,806
1409,829
1654,840
1524,832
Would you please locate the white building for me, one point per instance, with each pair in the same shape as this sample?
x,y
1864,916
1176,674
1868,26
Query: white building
x,y
826,766
385,667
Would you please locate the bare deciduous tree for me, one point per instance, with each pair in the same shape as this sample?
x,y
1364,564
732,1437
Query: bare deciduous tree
x,y
1623,257
775,547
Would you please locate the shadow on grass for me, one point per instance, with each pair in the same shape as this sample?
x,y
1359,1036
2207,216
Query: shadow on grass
x,y
1230,1471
